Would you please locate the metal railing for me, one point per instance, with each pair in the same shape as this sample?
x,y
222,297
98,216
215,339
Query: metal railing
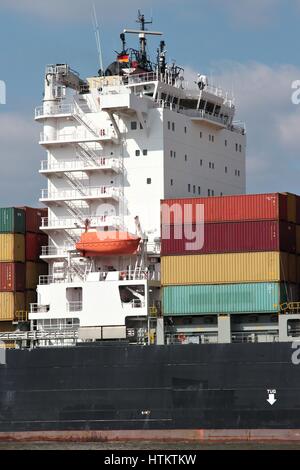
x,y
201,114
79,136
52,110
111,276
102,163
191,338
255,337
56,251
37,308
74,306
74,223
135,303
96,192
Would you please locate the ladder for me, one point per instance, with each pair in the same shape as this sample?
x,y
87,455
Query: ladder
x,y
76,212
88,155
75,183
80,117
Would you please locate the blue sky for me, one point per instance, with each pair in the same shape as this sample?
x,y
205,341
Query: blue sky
x,y
250,46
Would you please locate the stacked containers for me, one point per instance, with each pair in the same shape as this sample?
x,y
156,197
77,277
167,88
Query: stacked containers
x,y
12,262
20,248
247,262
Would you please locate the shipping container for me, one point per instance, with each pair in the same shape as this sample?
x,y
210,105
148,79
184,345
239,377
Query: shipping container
x,y
12,220
229,268
7,326
33,271
30,298
291,207
298,239
33,245
10,303
228,237
12,277
228,298
12,248
225,208
33,218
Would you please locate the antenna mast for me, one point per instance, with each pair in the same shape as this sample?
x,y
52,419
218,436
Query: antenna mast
x,y
142,32
97,36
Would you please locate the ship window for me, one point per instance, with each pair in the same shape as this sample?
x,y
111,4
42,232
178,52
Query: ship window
x,y
201,135
209,107
212,138
208,192
169,125
236,147
217,110
185,158
240,148
137,153
201,162
212,192
149,181
141,126
225,143
145,152
173,126
171,182
221,194
133,125
171,153
174,154
226,169
194,189
185,130
189,188
199,190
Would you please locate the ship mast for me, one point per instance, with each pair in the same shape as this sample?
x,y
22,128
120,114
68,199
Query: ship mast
x,y
142,32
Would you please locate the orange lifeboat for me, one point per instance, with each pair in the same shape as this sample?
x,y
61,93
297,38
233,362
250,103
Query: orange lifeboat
x,y
108,243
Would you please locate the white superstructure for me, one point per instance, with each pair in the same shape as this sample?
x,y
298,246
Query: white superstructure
x,y
116,145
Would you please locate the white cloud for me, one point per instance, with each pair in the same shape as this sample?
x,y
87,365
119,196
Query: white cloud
x,y
20,159
263,98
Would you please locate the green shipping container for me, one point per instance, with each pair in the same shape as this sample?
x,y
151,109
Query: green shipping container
x,y
12,220
229,298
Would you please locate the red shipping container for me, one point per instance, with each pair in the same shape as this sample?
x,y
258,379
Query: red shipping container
x,y
230,237
33,245
12,277
33,218
226,208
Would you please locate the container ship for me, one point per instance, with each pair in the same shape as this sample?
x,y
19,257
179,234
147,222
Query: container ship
x,y
169,306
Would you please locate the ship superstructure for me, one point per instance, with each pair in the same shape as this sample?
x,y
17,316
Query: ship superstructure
x,y
116,145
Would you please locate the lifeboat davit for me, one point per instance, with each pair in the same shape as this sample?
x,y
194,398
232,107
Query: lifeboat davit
x,y
108,243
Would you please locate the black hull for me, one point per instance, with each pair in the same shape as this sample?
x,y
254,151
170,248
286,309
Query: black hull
x,y
116,387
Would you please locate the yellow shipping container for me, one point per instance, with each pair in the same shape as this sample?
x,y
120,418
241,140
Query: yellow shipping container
x,y
229,268
10,303
12,247
33,271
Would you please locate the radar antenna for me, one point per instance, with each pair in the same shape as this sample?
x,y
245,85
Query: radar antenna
x,y
143,33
